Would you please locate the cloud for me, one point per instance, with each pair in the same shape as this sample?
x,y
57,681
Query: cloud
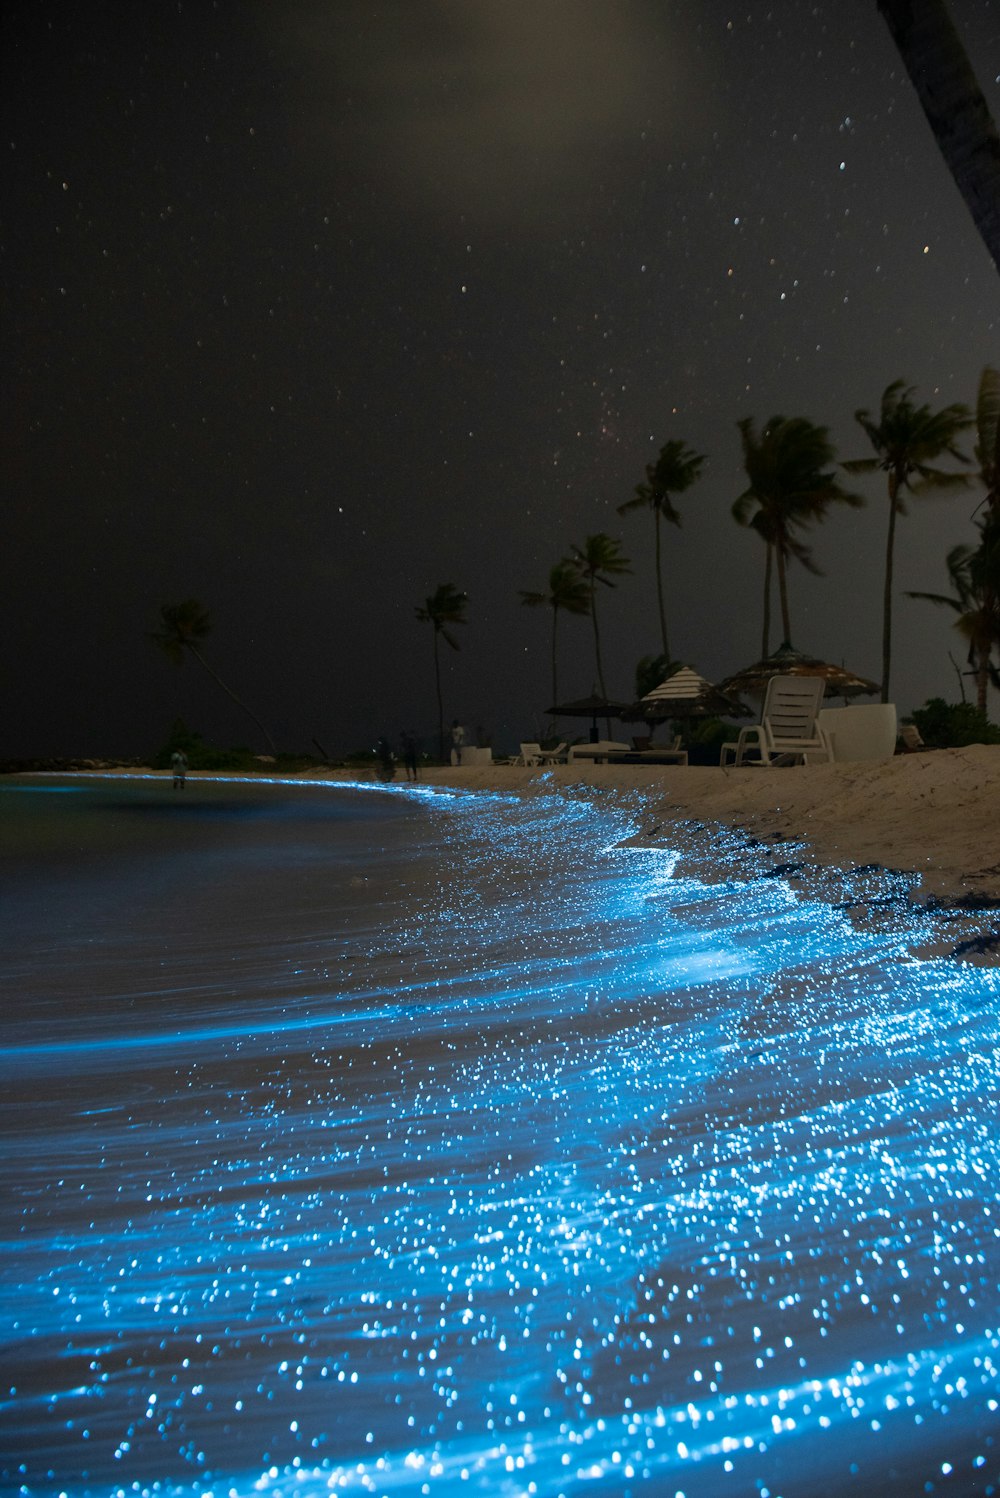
x,y
492,105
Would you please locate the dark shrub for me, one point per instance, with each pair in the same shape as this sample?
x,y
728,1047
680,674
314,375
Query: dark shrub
x,y
950,725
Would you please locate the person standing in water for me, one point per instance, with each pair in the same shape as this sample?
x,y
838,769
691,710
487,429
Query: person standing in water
x,y
409,747
179,764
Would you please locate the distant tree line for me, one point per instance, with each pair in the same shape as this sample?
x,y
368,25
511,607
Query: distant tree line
x,y
792,483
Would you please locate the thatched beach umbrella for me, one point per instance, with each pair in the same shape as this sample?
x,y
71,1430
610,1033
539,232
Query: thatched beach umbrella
x,y
592,707
685,695
787,661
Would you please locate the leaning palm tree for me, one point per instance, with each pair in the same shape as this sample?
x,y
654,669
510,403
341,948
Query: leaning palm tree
x,y
976,604
674,471
987,449
446,605
791,487
183,627
599,560
956,110
567,591
907,440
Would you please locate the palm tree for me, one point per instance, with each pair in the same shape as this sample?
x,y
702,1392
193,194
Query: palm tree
x,y
567,591
987,449
975,571
183,626
651,670
598,560
791,486
907,439
445,606
954,105
976,603
674,471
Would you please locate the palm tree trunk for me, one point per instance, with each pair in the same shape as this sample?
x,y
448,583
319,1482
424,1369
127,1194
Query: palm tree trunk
x,y
440,700
766,636
230,693
887,591
555,693
982,679
659,588
783,596
597,642
953,103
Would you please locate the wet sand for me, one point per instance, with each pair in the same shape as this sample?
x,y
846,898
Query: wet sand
x,y
933,814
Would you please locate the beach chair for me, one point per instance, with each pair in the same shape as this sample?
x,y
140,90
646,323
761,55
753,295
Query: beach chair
x,y
788,730
530,754
556,756
912,740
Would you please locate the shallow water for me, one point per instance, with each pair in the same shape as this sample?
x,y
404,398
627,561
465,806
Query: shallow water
x,y
362,1141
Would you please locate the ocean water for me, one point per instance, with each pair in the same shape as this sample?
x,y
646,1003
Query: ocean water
x,y
360,1140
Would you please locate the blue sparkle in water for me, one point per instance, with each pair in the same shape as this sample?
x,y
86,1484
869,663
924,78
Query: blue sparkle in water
x,y
405,1143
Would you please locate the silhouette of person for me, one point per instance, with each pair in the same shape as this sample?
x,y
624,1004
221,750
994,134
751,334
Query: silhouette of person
x,y
179,764
457,742
409,746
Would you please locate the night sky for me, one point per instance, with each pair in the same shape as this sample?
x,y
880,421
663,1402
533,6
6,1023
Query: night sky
x,y
311,306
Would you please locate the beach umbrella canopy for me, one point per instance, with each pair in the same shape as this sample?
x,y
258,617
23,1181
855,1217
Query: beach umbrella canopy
x,y
787,661
685,695
592,707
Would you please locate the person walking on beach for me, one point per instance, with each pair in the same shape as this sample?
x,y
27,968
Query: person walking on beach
x,y
457,742
179,764
409,746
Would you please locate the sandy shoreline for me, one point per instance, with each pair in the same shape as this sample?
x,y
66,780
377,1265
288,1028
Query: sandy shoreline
x,y
936,815
932,815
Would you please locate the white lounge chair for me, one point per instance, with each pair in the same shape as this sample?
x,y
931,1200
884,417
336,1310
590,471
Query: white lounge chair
x,y
556,756
788,730
530,754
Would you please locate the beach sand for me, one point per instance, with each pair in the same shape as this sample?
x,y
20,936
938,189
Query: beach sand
x,y
934,814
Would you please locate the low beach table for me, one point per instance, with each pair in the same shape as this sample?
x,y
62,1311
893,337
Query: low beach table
x,y
611,753
648,757
598,751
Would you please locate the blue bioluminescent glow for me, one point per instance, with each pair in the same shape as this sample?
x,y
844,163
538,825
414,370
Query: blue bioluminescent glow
x,y
379,1140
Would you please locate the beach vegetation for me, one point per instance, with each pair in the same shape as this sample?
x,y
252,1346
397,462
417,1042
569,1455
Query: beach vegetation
x,y
704,738
908,440
201,755
651,670
182,630
676,468
444,608
976,605
792,483
599,560
568,591
952,725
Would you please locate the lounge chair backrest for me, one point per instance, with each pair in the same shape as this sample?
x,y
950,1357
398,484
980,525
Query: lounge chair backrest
x,y
790,707
529,754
